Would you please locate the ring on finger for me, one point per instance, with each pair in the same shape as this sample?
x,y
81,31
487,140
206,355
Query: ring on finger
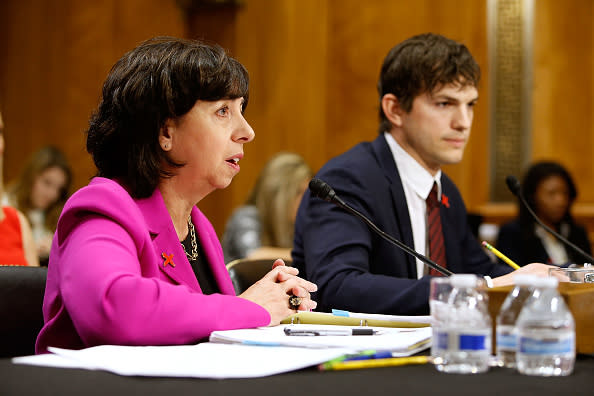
x,y
294,302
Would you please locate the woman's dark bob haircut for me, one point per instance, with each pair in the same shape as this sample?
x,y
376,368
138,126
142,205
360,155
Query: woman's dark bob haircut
x,y
160,79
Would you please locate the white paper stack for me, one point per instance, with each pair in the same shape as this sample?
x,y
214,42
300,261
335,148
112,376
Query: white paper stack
x,y
400,341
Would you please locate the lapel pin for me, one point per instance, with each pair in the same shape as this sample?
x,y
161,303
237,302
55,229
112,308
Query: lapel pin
x,y
445,201
168,259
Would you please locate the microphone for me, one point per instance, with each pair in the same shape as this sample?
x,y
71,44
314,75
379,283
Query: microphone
x,y
321,189
514,186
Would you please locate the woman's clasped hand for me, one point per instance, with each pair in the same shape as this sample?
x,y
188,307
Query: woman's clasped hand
x,y
273,291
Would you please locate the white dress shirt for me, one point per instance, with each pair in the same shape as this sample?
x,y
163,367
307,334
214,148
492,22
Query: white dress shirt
x,y
417,183
554,247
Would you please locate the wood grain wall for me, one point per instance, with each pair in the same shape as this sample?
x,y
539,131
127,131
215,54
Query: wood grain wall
x,y
313,66
563,106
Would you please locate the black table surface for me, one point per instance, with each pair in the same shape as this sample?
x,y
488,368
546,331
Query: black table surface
x,y
33,380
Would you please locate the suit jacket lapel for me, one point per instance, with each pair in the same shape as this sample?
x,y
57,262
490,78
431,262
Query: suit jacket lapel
x,y
166,242
386,162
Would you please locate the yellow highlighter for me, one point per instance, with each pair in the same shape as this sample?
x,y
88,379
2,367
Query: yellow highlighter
x,y
501,256
371,363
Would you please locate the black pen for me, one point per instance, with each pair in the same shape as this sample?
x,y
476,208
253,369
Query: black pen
x,y
328,332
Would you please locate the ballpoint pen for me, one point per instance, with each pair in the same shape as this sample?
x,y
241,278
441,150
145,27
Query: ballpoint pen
x,y
291,331
501,255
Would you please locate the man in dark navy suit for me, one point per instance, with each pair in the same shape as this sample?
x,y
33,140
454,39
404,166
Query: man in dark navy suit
x,y
427,91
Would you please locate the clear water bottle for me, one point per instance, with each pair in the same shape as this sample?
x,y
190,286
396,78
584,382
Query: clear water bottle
x,y
465,335
439,294
508,315
546,333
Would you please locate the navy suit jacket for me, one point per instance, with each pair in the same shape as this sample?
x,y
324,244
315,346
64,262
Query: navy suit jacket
x,y
354,268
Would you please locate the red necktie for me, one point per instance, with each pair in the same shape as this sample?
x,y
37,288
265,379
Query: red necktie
x,y
435,232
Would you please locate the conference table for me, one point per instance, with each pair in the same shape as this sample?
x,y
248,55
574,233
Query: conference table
x,y
406,380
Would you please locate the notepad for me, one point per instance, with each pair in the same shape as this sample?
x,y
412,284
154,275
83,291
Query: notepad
x,y
401,341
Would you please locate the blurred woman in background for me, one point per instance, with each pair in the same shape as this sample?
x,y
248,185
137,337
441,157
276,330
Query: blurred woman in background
x,y
40,193
263,226
550,191
16,242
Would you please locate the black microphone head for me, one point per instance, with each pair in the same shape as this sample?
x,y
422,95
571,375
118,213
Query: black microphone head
x,y
513,184
321,189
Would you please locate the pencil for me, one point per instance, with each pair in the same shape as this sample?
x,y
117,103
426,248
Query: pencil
x,y
329,363
501,256
371,363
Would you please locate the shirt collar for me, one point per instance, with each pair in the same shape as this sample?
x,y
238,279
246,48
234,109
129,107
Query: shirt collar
x,y
411,172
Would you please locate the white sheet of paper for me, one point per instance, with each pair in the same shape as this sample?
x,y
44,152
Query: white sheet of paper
x,y
48,360
206,360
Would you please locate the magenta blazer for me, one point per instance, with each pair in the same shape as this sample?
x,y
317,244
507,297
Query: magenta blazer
x,y
110,280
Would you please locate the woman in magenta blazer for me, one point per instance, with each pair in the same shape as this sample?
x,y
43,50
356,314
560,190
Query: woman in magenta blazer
x,y
133,260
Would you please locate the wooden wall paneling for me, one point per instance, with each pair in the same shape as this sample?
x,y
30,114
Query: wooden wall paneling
x,y
81,56
356,49
214,24
137,20
21,70
563,105
562,97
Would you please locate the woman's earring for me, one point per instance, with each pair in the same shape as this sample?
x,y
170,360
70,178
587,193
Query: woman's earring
x,y
166,147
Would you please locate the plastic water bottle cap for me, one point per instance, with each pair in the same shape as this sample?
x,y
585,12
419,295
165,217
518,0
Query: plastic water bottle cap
x,y
549,283
463,280
525,279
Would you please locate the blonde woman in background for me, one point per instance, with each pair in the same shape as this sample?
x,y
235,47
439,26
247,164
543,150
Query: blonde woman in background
x,y
40,193
16,241
263,226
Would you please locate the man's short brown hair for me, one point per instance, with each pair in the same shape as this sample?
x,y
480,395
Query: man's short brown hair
x,y
421,64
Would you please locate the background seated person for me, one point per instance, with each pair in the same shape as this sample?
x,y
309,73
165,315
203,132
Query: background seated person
x,y
40,193
550,191
263,227
134,261
16,241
